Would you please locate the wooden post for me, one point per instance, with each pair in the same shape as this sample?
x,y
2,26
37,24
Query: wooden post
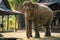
x,y
7,21
2,21
15,23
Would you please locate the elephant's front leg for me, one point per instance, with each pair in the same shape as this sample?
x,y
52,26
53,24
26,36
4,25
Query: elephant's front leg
x,y
36,30
30,28
28,25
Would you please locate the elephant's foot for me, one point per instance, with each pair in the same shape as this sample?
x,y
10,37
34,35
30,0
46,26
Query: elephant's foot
x,y
37,36
47,34
28,36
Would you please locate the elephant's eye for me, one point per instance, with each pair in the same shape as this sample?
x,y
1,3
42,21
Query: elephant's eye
x,y
26,7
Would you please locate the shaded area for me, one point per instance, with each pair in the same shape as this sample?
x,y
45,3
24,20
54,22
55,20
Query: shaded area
x,y
1,35
56,22
56,31
22,20
11,39
46,38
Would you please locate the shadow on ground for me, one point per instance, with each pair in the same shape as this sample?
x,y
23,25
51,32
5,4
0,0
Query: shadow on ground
x,y
1,35
46,38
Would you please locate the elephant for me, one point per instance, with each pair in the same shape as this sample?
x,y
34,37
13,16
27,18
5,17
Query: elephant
x,y
37,13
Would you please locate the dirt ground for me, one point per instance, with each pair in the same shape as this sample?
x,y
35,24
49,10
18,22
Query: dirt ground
x,y
21,35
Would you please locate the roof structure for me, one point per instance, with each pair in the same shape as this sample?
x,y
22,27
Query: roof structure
x,y
0,1
48,3
9,12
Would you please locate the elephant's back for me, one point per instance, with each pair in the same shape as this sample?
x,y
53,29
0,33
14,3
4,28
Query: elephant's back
x,y
44,14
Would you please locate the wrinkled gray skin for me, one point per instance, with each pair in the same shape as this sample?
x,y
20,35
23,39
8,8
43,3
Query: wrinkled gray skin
x,y
39,14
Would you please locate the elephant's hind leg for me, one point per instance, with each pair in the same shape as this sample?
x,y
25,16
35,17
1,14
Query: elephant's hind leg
x,y
36,30
48,29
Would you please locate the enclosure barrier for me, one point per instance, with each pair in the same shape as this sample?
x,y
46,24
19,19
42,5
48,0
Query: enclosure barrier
x,y
8,12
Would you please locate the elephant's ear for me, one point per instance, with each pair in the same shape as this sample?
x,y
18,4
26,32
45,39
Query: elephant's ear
x,y
35,6
20,8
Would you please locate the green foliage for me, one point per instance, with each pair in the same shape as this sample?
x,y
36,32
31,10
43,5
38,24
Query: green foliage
x,y
14,3
33,0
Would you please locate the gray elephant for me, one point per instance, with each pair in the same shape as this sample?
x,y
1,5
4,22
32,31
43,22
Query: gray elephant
x,y
37,13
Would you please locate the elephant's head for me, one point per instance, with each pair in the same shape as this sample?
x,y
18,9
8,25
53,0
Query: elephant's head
x,y
27,7
20,8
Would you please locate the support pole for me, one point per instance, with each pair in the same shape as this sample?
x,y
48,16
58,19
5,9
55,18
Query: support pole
x,y
2,21
7,22
15,23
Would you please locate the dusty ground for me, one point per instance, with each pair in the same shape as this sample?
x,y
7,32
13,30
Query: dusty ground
x,y
21,35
